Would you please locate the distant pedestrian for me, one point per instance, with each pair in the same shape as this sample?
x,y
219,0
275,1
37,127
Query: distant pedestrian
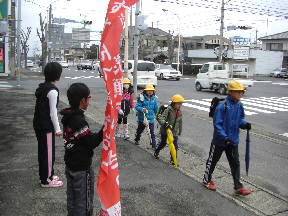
x,y
46,124
79,142
227,119
127,104
170,118
146,105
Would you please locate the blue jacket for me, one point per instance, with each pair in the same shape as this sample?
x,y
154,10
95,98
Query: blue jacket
x,y
150,103
228,118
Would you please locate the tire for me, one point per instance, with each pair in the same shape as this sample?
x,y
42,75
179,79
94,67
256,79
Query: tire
x,y
177,79
278,76
222,90
198,86
161,77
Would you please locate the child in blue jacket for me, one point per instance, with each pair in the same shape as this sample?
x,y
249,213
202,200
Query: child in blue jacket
x,y
146,103
227,119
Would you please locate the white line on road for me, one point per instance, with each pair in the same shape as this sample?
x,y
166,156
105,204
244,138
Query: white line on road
x,y
2,82
284,84
285,134
277,101
6,86
265,103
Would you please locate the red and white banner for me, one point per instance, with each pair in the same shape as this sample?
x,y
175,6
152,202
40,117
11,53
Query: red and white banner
x,y
108,178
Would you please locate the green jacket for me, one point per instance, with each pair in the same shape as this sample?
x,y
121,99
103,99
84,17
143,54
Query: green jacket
x,y
169,115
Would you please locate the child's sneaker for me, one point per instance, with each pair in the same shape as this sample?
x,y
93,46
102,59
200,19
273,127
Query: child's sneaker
x,y
56,178
52,183
242,192
156,155
211,185
126,136
118,135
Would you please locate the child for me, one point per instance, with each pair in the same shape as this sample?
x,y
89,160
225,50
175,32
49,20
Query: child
x,y
46,124
146,103
227,119
79,144
127,103
170,118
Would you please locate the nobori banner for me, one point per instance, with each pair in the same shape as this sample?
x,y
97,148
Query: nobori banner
x,y
3,9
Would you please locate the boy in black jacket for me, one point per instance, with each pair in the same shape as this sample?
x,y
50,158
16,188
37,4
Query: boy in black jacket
x,y
79,144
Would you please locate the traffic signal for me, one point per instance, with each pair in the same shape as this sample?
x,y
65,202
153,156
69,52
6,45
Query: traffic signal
x,y
86,22
244,27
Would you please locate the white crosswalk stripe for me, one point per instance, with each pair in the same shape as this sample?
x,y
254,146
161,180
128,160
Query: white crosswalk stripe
x,y
82,77
253,106
285,134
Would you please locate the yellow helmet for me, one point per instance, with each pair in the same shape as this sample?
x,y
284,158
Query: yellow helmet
x,y
177,98
149,87
235,86
126,81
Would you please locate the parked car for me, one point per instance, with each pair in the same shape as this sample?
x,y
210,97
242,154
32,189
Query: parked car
x,y
64,64
167,72
279,72
30,63
85,64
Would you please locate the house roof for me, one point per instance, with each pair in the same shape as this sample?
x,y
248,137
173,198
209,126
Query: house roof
x,y
282,35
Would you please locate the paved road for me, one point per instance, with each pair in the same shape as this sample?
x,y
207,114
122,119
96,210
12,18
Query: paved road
x,y
266,107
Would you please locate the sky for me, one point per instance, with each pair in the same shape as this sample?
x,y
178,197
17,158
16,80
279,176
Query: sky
x,y
195,18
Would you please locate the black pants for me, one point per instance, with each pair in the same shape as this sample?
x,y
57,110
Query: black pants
x,y
163,143
140,129
124,119
233,159
80,192
46,154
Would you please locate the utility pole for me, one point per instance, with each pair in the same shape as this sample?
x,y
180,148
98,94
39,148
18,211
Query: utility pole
x,y
152,43
12,38
49,33
221,32
126,48
136,44
18,43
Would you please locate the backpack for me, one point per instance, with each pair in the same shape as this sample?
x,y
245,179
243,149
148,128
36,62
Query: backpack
x,y
161,109
214,103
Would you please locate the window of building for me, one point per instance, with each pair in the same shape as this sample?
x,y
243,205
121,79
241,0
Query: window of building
x,y
276,46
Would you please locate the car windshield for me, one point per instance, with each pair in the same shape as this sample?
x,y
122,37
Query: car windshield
x,y
166,67
145,66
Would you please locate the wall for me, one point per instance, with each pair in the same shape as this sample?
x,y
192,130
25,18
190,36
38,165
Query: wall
x,y
266,61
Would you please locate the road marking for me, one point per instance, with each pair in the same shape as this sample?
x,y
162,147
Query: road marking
x,y
196,107
277,101
186,78
3,82
271,104
284,84
6,86
82,77
256,81
285,134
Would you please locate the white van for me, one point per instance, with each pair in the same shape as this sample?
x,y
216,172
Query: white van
x,y
145,72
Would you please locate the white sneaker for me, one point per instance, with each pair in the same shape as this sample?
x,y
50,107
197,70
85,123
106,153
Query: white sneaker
x,y
118,135
126,136
52,183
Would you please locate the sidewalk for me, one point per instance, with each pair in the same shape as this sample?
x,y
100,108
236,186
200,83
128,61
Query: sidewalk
x,y
148,186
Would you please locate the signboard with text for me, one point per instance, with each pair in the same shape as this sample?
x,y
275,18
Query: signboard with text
x,y
2,58
3,9
241,52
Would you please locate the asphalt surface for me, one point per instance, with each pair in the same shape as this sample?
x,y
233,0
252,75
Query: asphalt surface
x,y
148,186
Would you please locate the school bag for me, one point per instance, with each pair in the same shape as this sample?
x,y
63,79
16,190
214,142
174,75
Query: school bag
x,y
161,109
214,103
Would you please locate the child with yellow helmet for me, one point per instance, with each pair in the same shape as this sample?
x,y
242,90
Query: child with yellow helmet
x,y
146,103
170,118
127,104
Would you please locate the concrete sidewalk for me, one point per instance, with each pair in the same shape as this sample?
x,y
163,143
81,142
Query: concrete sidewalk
x,y
148,186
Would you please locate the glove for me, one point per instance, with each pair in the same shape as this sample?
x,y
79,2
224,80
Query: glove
x,y
166,126
144,110
121,112
228,141
247,126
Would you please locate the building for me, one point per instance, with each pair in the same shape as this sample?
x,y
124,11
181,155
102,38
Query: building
x,y
277,42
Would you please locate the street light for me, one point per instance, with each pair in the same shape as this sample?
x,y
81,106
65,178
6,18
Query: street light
x,y
179,38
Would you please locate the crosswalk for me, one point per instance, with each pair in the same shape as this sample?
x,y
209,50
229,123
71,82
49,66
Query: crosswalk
x,y
5,85
253,105
82,77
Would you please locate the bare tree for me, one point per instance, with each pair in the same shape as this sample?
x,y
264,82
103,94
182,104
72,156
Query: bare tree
x,y
171,47
24,40
43,40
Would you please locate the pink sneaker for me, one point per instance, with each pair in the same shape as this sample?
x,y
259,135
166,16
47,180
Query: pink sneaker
x,y
52,183
56,178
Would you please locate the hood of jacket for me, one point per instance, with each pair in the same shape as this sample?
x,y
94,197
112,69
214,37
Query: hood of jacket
x,y
68,113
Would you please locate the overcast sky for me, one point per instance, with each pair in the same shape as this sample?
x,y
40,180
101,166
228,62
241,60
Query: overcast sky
x,y
197,19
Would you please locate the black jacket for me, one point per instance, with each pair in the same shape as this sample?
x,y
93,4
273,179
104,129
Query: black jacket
x,y
42,120
79,141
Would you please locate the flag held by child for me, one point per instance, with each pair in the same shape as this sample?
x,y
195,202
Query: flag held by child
x,y
108,178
